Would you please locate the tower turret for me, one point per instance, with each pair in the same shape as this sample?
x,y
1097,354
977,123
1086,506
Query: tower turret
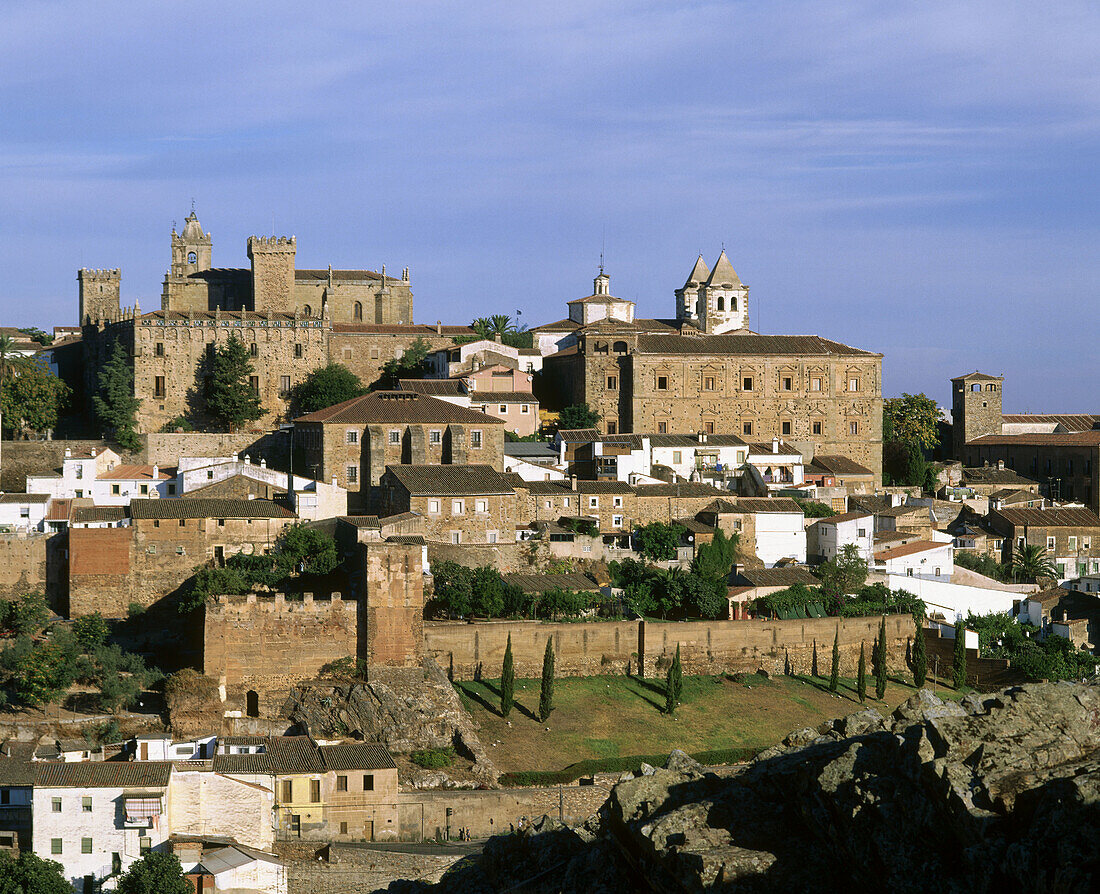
x,y
99,294
687,297
723,300
192,250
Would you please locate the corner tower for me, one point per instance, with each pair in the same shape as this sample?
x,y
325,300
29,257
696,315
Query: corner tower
x,y
99,294
975,409
272,273
192,250
687,297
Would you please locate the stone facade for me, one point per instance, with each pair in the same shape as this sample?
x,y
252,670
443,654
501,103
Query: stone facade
x,y
975,409
395,604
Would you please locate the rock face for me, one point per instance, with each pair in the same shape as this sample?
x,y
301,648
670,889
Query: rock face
x,y
999,794
405,708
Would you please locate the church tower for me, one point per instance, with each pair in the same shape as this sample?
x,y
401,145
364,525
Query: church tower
x,y
687,297
975,409
99,294
192,250
723,300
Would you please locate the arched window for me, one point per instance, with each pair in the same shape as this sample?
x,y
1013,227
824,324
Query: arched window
x,y
721,302
192,258
358,310
991,387
307,311
733,303
976,387
252,703
619,347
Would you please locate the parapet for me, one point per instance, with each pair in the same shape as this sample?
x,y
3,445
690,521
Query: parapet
x,y
271,243
278,603
93,273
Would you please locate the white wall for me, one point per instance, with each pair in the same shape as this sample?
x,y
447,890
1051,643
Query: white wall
x,y
780,535
531,471
827,538
923,564
953,600
206,803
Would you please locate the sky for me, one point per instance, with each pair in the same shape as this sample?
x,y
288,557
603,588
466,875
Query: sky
x,y
919,179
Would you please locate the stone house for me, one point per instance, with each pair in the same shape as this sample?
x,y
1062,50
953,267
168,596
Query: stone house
x,y
518,410
827,537
458,504
1070,536
610,504
747,584
847,473
352,442
912,519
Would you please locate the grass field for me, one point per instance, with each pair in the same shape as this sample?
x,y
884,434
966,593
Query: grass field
x,y
596,717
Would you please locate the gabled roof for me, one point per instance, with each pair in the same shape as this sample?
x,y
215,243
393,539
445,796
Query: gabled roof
x,y
578,435
908,549
840,465
747,345
398,407
776,577
764,504
448,387
294,754
24,498
102,774
188,507
503,397
679,489
781,450
1051,518
993,475
1070,422
978,375
136,473
699,273
357,756
85,514
723,273
474,480
844,517
1041,439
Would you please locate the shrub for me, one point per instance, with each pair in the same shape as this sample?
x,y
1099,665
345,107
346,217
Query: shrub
x,y
347,668
26,615
135,610
434,758
91,631
658,541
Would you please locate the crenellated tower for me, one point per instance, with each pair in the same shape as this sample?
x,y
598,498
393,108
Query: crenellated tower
x,y
272,260
100,292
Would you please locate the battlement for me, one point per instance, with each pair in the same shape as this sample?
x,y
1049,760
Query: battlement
x,y
104,275
278,603
271,243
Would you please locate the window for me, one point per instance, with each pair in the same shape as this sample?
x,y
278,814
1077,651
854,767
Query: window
x,y
55,845
86,804
524,408
817,428
481,505
593,502
116,489
180,551
159,349
433,506
183,523
662,383
1086,543
617,521
862,532
85,845
746,383
1050,543
79,473
785,428
853,384
171,490
374,353
788,383
853,428
145,844
353,474
144,489
368,782
708,383
56,805
253,349
612,383
254,384
343,828
456,537
357,311
116,863
158,387
307,311
435,436
617,502
315,791
395,436
288,790
209,475
5,795
284,384
475,438
457,507
746,428
708,427
815,383
25,511
908,572
297,351
351,436
662,428
491,536
504,409
1071,544
192,258
677,457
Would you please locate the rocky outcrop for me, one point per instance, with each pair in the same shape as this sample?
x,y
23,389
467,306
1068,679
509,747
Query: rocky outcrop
x,y
407,709
998,794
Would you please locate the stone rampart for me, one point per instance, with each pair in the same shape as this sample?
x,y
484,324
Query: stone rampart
x,y
167,447
22,564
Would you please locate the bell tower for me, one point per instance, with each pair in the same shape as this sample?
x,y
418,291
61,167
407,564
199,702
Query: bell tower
x,y
192,250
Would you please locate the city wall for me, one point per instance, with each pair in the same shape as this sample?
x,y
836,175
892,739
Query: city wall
x,y
23,564
166,448
705,646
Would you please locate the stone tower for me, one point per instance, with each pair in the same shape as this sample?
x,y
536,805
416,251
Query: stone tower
x,y
723,300
272,273
687,297
975,409
192,250
99,294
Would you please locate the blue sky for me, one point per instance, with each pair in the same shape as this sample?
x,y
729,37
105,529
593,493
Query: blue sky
x,y
914,178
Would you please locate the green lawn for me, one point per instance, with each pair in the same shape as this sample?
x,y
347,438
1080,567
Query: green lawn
x,y
599,717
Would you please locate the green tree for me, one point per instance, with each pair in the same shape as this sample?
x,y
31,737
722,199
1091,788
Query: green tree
x,y
861,676
501,324
91,631
912,418
331,384
920,655
958,658
834,674
114,401
880,663
813,661
674,683
487,590
546,693
453,589
30,874
845,573
230,399
658,541
507,681
155,873
33,397
578,416
410,365
483,326
668,586
309,549
1032,562
26,615
714,560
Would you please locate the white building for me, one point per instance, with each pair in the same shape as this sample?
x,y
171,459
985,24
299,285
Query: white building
x,y
780,528
236,868
23,512
779,464
827,537
100,476
311,500
921,558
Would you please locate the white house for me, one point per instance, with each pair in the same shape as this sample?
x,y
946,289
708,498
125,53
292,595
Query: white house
x,y
921,558
96,818
954,601
780,528
699,456
311,500
530,471
236,868
779,464
100,475
827,537
23,512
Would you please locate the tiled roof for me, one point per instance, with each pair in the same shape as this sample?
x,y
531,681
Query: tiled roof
x,y
563,488
401,329
135,473
539,583
890,536
361,521
1053,518
503,397
294,754
187,507
578,435
908,549
397,407
756,345
693,526
341,275
398,517
529,450
251,741
1011,495
24,498
776,577
721,506
840,465
666,440
243,763
847,516
680,489
357,756
763,504
102,774
449,387
557,326
1041,439
59,509
898,511
779,450
993,475
407,539
459,480
1072,422
83,514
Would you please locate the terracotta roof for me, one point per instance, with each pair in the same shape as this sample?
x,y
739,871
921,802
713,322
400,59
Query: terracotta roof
x,y
84,514
978,375
557,325
1041,439
1051,518
764,504
564,488
847,516
422,329
294,754
471,480
361,521
666,440
781,450
1011,495
102,774
721,506
840,465
188,507
135,473
693,526
756,345
449,387
890,536
993,475
539,583
908,549
680,489
24,498
504,397
776,577
402,407
1070,421
59,509
357,756
251,741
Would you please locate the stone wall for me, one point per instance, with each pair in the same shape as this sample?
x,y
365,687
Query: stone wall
x,y
22,458
23,564
705,646
167,448
273,642
395,604
505,557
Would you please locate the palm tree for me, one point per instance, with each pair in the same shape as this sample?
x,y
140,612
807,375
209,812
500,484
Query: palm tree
x,y
483,326
1032,561
501,324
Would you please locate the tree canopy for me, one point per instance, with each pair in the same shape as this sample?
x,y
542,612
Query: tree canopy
x,y
331,384
1032,561
658,541
410,365
32,396
30,874
910,427
230,399
578,416
155,873
114,402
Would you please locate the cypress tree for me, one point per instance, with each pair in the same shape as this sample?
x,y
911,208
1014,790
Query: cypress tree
x,y
834,676
670,692
958,664
677,676
861,676
813,668
920,656
507,681
880,672
546,695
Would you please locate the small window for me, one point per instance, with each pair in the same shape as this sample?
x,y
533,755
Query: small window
x,y
662,383
612,383
677,457
853,428
617,502
144,489
297,351
85,845
395,436
374,353
475,438
159,349
746,383
491,536
708,427
357,313
183,523
612,428
746,428
307,311
1050,543
288,790
815,383
351,436
254,384
435,436
171,490
853,384
617,521
817,428
786,428
253,349
456,537
192,258
524,409
788,383
708,383
457,507
481,505
86,804
504,409
145,844
116,489
368,782
1071,544
209,474
55,805
353,474
180,551
433,506
55,845
344,827
284,385
593,502
662,428
159,389
315,791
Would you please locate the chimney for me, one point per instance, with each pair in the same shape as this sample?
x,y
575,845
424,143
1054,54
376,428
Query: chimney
x,y
1000,465
775,445
572,482
247,460
93,453
263,462
438,327
156,470
496,338
68,452
334,481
